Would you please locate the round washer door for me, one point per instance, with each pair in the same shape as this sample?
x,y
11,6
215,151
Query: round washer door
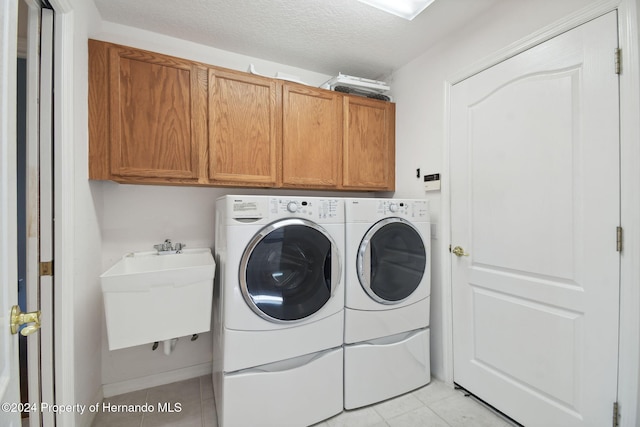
x,y
289,270
391,260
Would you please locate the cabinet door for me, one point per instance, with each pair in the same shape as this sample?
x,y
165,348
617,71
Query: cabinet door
x,y
368,144
243,129
157,115
311,137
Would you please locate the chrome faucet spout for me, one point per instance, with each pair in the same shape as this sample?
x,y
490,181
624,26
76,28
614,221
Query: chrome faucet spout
x,y
167,247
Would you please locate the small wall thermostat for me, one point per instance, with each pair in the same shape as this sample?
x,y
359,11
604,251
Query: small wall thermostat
x,y
432,182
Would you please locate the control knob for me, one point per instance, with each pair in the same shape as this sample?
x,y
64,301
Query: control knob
x,y
393,207
292,207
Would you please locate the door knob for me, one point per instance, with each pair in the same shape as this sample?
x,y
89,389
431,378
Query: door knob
x,y
459,251
19,318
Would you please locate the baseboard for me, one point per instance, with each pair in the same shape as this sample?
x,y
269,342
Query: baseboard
x,y
162,378
86,419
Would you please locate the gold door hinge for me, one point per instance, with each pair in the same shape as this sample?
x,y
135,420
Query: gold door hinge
x,y
619,239
46,268
618,61
616,414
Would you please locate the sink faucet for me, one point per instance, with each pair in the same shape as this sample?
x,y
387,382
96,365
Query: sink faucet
x,y
167,247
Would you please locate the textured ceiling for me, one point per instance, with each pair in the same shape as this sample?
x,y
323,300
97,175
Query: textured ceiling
x,y
325,36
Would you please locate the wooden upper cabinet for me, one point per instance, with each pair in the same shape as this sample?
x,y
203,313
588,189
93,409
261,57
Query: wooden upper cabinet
x,y
158,119
154,124
311,137
243,128
368,144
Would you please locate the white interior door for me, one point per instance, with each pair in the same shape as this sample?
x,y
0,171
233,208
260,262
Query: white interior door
x,y
9,365
535,205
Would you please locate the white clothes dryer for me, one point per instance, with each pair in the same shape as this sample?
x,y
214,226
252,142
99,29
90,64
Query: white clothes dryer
x,y
278,310
387,300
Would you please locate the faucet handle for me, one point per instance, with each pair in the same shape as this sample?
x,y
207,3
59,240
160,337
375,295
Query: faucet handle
x,y
167,247
164,246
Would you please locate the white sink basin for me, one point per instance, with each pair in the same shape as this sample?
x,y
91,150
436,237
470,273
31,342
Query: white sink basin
x,y
150,297
141,270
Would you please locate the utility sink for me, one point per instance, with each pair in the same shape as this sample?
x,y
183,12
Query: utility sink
x,y
150,297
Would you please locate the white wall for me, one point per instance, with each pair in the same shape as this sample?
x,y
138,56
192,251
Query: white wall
x,y
154,42
419,91
135,217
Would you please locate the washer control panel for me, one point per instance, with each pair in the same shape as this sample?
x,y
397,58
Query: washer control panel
x,y
312,208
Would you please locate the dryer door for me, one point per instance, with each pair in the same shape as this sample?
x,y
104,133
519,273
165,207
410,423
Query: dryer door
x,y
289,270
391,260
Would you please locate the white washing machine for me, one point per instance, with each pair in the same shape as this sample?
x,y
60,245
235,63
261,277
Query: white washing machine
x,y
388,284
278,310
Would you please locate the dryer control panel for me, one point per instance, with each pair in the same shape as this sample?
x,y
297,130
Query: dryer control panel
x,y
414,209
372,210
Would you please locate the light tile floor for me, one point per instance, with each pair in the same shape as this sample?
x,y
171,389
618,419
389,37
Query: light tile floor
x,y
435,405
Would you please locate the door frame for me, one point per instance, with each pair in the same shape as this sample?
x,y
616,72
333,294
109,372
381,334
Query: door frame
x,y
64,202
629,345
9,374
38,206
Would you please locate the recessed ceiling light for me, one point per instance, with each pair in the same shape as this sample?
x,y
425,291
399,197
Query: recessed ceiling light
x,y
407,9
